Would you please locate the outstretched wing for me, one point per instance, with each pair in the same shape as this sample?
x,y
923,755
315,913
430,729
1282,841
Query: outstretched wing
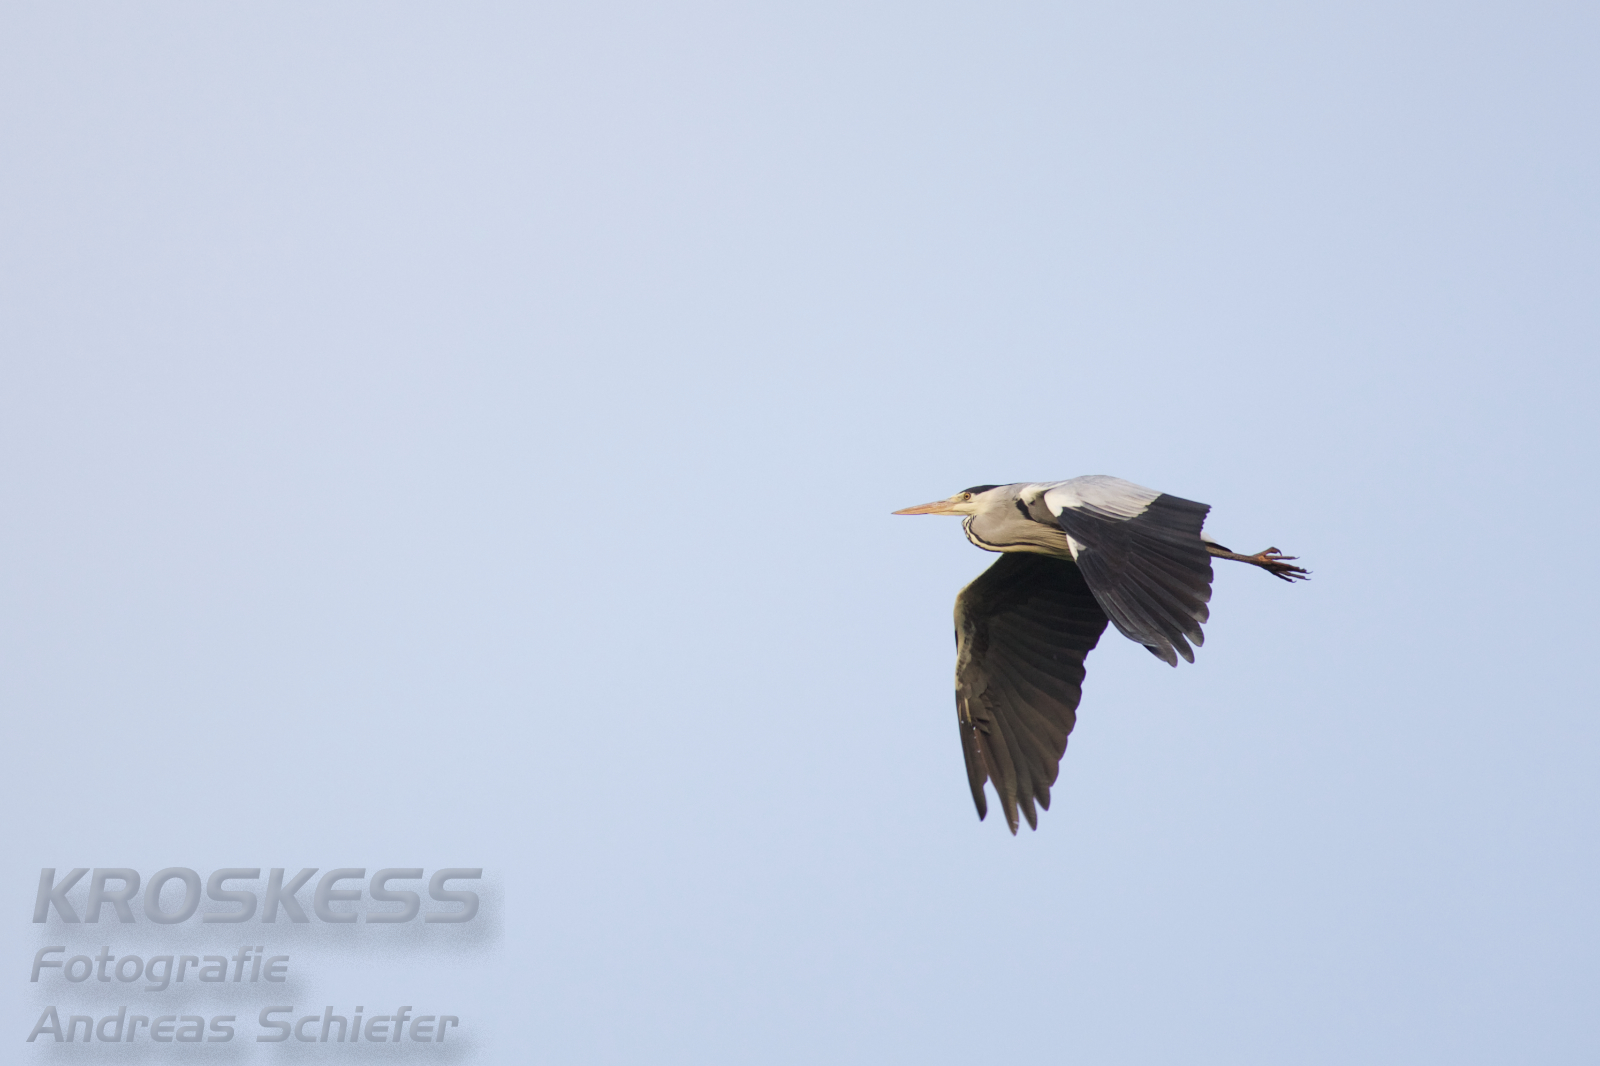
x,y
1141,553
1022,630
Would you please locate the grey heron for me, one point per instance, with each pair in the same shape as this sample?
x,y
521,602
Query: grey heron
x,y
1075,554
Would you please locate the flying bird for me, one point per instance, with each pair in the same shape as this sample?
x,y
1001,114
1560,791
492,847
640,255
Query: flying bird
x,y
1075,554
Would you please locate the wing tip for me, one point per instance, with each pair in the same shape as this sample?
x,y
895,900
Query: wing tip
x,y
1165,653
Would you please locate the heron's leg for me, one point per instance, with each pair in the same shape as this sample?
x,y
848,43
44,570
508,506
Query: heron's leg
x,y
1271,560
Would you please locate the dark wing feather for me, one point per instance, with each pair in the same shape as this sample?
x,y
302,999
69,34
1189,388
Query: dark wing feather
x,y
1151,573
1022,630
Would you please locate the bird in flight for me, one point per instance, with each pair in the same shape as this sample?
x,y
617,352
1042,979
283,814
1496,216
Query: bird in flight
x,y
1075,554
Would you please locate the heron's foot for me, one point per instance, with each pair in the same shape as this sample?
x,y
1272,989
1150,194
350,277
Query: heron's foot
x,y
1278,565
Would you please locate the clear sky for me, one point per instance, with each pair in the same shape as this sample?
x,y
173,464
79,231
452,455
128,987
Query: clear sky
x,y
465,435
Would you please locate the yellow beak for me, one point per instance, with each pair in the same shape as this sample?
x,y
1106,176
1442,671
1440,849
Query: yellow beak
x,y
936,507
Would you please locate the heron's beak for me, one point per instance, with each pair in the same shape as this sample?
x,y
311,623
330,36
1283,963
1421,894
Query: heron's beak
x,y
936,507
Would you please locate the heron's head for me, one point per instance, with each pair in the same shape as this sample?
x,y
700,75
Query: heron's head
x,y
967,501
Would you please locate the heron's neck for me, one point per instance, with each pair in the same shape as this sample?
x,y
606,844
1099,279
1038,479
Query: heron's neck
x,y
1008,529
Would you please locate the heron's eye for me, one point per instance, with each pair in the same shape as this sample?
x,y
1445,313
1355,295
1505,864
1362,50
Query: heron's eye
x,y
965,496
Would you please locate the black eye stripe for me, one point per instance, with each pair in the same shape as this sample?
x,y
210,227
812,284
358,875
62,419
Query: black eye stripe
x,y
974,490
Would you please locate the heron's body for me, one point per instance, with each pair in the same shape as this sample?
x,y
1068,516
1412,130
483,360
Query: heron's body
x,y
1075,555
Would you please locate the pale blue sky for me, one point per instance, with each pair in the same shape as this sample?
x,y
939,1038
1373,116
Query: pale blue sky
x,y
467,435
